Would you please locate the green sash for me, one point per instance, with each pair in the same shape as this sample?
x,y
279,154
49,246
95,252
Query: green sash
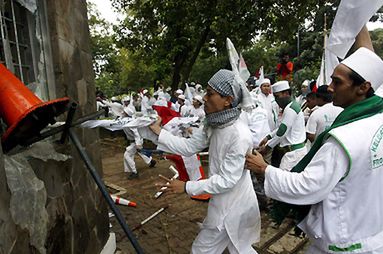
x,y
355,112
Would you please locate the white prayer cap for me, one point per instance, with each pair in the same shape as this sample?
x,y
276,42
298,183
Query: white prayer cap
x,y
306,83
144,91
126,98
198,86
168,89
198,98
265,81
179,91
113,98
181,96
280,86
367,64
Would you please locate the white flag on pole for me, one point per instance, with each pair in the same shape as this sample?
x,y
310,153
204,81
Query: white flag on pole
x,y
233,56
329,62
243,71
351,16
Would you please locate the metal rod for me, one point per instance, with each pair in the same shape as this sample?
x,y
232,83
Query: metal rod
x,y
104,192
17,43
59,129
68,122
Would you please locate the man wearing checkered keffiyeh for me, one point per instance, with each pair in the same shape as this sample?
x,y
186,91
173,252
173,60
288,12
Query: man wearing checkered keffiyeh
x,y
233,220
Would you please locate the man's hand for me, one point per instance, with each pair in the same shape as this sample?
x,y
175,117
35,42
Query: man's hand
x,y
263,149
156,126
263,142
256,163
172,185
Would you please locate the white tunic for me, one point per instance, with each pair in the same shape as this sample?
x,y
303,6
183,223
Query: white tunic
x,y
257,121
322,118
272,108
197,112
145,105
233,205
343,181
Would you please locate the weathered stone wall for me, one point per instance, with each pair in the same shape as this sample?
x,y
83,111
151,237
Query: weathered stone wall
x,y
77,214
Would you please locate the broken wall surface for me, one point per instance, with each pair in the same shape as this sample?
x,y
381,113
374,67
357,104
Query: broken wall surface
x,y
64,212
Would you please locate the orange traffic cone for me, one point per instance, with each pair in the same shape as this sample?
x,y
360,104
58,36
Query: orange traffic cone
x,y
24,113
122,201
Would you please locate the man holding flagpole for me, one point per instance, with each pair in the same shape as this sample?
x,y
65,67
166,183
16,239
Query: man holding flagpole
x,y
337,187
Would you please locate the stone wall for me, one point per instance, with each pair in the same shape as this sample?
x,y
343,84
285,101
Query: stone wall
x,y
65,212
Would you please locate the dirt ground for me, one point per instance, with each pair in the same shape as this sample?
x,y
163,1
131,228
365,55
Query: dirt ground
x,y
173,230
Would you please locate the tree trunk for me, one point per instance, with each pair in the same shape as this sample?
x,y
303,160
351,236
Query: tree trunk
x,y
198,48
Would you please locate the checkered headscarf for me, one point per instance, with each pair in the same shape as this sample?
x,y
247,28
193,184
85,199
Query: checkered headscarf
x,y
227,83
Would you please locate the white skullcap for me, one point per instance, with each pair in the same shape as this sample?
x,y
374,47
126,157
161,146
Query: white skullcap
x,y
144,91
367,64
265,81
113,98
198,85
198,98
306,83
168,89
126,98
181,96
280,86
179,91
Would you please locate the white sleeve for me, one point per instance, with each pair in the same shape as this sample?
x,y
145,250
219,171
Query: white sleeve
x,y
138,140
312,185
230,173
312,123
182,146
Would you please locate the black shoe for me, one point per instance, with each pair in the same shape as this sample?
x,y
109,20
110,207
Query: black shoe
x,y
152,164
133,176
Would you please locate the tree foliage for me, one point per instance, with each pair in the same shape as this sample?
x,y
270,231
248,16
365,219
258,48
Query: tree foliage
x,y
174,41
176,32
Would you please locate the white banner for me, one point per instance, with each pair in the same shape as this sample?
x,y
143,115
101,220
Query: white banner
x,y
350,17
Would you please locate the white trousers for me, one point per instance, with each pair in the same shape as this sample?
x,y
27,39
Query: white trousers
x,y
129,164
215,241
290,159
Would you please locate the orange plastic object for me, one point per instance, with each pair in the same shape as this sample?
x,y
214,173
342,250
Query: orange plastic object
x,y
23,112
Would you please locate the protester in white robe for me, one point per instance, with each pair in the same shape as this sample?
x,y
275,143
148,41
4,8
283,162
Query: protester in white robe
x,y
197,108
166,94
265,99
301,99
257,121
136,144
342,179
129,108
115,107
233,219
145,104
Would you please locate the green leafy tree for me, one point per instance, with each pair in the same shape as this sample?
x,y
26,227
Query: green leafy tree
x,y
174,32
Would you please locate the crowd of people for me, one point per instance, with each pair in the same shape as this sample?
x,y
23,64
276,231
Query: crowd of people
x,y
320,151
